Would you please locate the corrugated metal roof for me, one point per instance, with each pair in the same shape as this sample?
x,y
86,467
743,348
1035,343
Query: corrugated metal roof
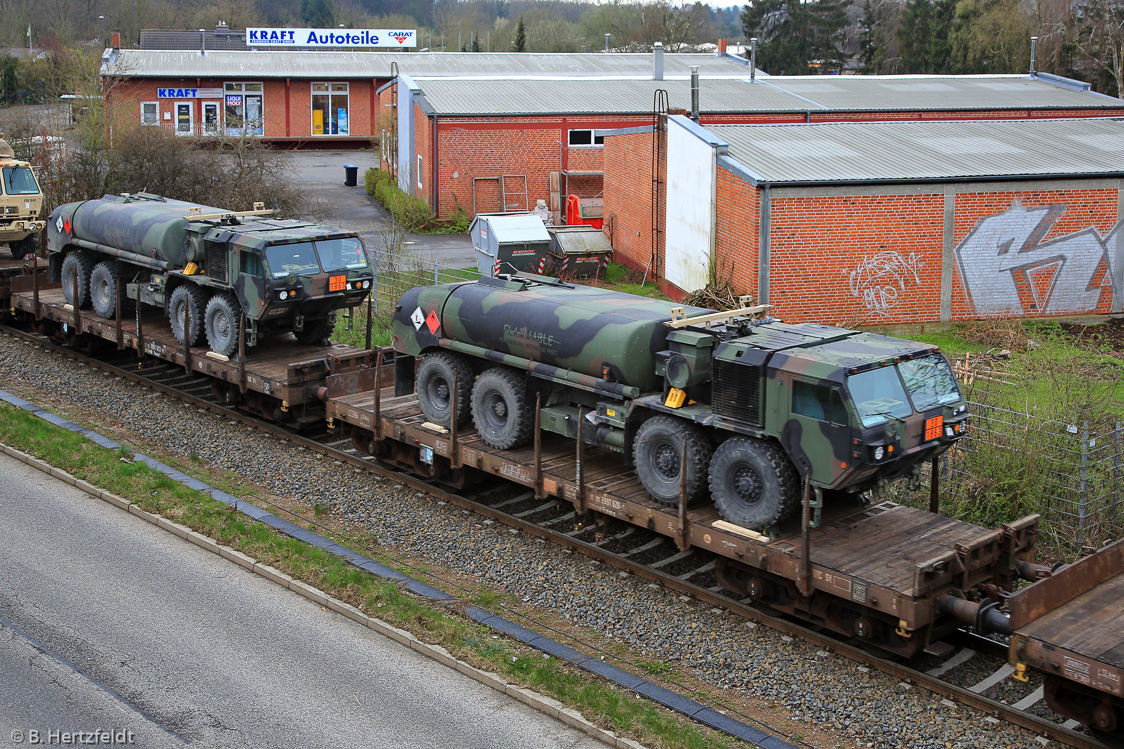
x,y
455,96
843,93
924,151
136,63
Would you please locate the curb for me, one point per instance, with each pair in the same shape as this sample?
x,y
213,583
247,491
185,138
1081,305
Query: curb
x,y
685,706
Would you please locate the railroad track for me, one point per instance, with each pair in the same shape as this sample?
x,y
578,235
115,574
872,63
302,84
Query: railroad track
x,y
964,671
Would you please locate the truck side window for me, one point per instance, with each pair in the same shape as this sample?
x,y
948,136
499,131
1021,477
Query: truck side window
x,y
251,263
818,402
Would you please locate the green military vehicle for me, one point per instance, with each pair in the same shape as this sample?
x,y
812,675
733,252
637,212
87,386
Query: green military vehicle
x,y
20,204
756,404
207,267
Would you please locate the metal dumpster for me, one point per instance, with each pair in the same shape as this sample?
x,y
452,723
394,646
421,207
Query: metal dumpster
x,y
579,251
511,242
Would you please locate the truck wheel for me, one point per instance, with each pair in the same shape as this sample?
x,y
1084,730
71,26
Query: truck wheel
x,y
80,264
658,453
753,484
499,409
187,298
24,247
103,290
317,332
221,320
434,385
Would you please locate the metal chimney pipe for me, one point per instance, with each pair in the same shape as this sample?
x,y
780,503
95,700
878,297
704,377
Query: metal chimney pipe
x,y
753,59
658,72
607,42
1033,56
695,93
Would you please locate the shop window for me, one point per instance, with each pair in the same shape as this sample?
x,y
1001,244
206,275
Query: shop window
x,y
150,113
244,110
329,109
585,138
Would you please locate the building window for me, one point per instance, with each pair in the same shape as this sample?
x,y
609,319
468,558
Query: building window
x,y
150,113
419,170
329,109
245,113
585,138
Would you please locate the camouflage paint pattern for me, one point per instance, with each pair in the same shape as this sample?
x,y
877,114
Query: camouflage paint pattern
x,y
152,227
590,331
20,223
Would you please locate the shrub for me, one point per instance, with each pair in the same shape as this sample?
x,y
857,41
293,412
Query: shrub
x,y
410,211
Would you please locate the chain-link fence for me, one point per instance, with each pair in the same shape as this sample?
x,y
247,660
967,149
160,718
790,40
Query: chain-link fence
x,y
1014,464
397,273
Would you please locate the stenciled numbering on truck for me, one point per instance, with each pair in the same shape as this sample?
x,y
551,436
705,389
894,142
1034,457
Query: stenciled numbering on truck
x,y
757,405
209,268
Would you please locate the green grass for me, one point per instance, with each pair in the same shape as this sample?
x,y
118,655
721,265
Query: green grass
x,y
113,471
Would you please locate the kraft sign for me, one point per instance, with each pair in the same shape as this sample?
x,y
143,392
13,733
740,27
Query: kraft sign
x,y
270,37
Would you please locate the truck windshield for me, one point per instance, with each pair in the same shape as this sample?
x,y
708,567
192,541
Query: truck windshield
x,y
341,254
929,381
879,395
18,180
298,258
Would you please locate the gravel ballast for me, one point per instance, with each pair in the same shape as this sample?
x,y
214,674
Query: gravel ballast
x,y
860,707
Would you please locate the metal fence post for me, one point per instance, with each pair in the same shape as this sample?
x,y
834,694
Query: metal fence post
x,y
1084,483
1116,470
375,285
435,281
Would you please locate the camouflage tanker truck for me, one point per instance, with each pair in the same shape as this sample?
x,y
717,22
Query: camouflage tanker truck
x,y
756,404
20,203
207,266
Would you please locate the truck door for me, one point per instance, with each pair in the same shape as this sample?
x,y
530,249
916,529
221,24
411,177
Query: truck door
x,y
249,286
817,433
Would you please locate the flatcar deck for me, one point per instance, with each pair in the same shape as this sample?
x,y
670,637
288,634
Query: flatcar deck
x,y
886,557
11,268
279,369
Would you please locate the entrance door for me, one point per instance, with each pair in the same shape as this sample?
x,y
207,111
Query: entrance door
x,y
211,118
184,112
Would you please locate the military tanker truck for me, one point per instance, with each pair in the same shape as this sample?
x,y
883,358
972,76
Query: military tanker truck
x,y
757,405
20,204
207,267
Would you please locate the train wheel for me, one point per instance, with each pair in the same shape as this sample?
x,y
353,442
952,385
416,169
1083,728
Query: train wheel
x,y
221,321
752,483
103,290
188,300
80,264
658,454
499,409
434,385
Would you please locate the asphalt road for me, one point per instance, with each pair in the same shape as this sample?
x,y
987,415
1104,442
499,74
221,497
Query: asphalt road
x,y
108,623
322,174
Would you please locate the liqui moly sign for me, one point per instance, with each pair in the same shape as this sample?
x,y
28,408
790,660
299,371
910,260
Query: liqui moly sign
x,y
271,37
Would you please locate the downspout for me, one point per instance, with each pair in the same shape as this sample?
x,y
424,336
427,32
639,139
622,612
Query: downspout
x,y
763,247
288,111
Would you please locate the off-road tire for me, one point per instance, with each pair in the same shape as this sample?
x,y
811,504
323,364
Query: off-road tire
x,y
434,385
24,247
103,290
753,483
500,410
221,320
188,297
81,263
317,332
657,454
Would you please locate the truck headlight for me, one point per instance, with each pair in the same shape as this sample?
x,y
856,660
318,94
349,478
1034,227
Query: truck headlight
x,y
366,284
283,295
879,452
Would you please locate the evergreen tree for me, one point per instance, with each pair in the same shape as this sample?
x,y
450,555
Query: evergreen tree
x,y
520,43
475,44
318,14
924,36
797,37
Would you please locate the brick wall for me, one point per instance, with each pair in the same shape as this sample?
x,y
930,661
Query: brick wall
x,y
628,198
423,145
736,245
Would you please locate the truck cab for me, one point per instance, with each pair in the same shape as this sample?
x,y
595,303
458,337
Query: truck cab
x,y
20,203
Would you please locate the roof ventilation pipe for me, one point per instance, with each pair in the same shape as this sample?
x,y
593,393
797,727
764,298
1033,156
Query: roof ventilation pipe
x,y
695,93
753,60
202,43
657,74
1033,56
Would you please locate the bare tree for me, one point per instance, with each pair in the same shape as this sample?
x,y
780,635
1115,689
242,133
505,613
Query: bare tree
x,y
1100,37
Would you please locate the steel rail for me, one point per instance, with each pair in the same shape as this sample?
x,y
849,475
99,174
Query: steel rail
x,y
963,695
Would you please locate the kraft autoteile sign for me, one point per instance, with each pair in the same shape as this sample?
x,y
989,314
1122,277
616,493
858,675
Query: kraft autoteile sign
x,y
270,37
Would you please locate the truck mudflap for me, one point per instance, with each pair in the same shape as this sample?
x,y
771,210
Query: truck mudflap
x,y
1068,626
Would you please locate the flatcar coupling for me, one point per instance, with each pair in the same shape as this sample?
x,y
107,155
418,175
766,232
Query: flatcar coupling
x,y
984,616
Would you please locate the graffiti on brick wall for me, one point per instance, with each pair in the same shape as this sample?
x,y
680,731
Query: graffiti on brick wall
x,y
1008,270
881,280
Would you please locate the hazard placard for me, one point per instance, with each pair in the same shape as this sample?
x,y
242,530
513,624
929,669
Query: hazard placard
x,y
432,322
417,318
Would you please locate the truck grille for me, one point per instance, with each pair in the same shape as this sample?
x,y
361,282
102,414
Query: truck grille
x,y
736,392
11,209
215,260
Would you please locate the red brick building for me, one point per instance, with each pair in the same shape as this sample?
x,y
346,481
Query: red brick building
x,y
892,222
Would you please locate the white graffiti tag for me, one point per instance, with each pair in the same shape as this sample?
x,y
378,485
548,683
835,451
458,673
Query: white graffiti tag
x,y
1008,270
880,279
